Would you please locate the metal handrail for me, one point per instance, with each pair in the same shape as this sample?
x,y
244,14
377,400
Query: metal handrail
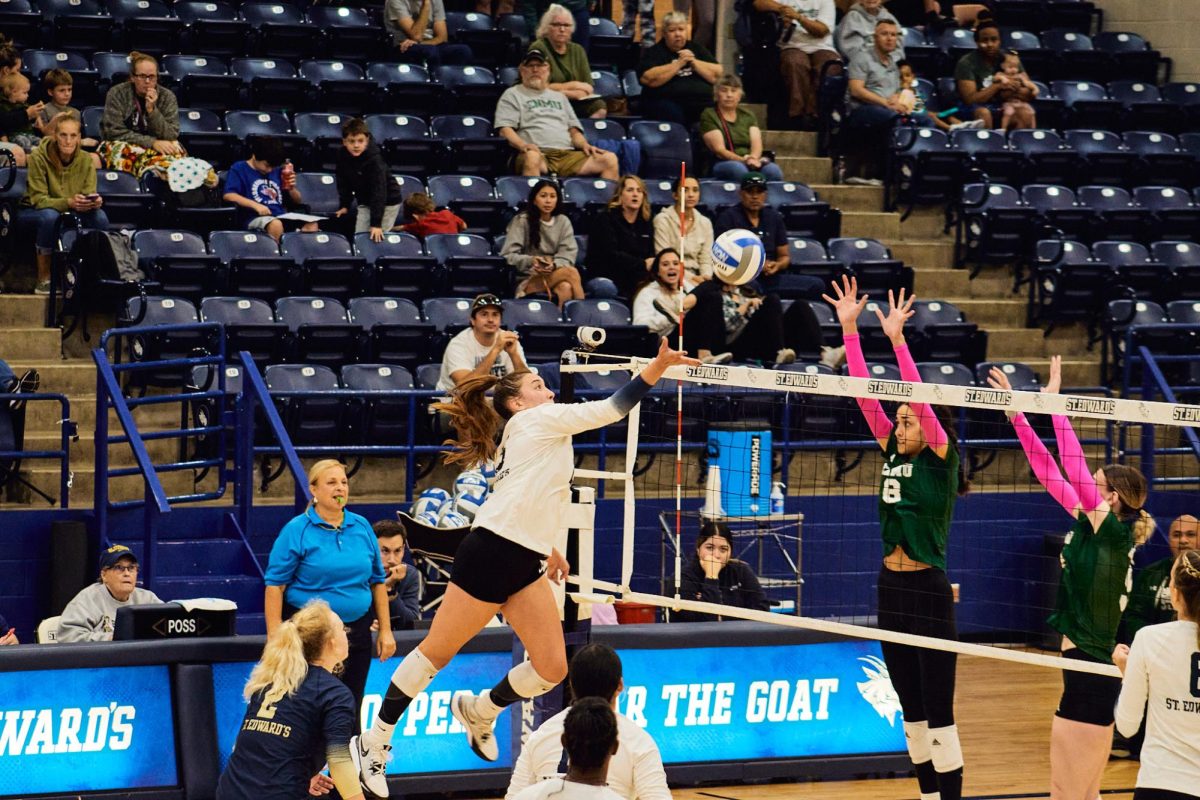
x,y
1152,377
254,391
67,430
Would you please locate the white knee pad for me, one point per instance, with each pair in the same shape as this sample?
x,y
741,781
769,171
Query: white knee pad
x,y
414,673
525,681
916,738
944,746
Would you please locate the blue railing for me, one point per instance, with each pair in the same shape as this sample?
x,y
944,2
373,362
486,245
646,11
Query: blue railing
x,y
67,431
1154,382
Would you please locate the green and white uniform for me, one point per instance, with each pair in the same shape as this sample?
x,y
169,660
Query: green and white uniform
x,y
916,502
1097,575
1150,599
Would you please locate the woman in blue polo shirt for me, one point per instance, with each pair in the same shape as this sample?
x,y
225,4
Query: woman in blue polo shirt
x,y
331,554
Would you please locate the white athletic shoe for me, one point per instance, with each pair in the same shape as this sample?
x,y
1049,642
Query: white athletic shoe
x,y
479,732
372,766
717,358
969,125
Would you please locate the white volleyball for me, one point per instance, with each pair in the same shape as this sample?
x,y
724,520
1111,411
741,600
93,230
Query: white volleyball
x,y
467,503
472,481
738,256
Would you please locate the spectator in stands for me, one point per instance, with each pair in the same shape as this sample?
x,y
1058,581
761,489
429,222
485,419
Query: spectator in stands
x,y
873,94
570,70
634,11
1150,599
657,305
678,74
704,20
427,220
90,615
60,86
692,236
483,348
1015,111
9,635
61,178
402,584
540,245
541,126
362,175
856,32
10,63
534,12
621,241
418,27
635,772
590,738
140,126
261,188
913,98
713,575
753,214
975,74
805,46
329,553
732,135
14,97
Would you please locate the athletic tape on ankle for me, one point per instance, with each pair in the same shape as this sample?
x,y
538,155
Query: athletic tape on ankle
x,y
414,673
916,737
525,681
944,746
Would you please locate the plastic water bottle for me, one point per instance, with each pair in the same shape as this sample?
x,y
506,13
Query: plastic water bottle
x,y
839,170
777,498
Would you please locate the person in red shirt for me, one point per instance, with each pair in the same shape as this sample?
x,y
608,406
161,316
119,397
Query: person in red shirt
x,y
419,208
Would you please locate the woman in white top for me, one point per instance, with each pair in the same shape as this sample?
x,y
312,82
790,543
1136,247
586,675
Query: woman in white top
x,y
1163,666
540,245
501,562
697,236
657,306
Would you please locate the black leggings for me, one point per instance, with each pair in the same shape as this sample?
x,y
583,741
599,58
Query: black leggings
x,y
920,603
704,325
1162,794
358,659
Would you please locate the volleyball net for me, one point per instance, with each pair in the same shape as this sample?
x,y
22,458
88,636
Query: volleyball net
x,y
717,441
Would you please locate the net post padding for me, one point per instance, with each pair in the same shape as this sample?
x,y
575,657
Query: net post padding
x,y
861,632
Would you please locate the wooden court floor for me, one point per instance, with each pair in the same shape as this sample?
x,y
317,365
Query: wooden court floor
x,y
1003,712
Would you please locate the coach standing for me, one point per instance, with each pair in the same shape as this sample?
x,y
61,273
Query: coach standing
x,y
331,554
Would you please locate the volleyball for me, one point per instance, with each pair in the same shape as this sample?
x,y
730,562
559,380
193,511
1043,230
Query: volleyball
x,y
488,470
738,256
449,517
429,500
471,480
428,517
467,503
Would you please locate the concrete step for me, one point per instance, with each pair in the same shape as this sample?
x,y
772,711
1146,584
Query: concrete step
x,y
22,310
83,452
951,283
992,312
30,344
871,224
806,169
926,224
1017,343
43,417
850,198
790,143
1079,371
65,377
926,254
124,488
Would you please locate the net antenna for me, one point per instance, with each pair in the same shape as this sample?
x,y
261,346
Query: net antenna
x,y
679,383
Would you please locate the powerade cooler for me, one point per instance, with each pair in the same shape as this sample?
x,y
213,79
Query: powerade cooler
x,y
742,451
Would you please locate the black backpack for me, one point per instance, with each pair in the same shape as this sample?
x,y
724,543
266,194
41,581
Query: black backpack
x,y
100,273
752,27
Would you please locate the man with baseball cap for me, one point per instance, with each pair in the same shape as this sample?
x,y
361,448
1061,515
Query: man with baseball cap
x,y
90,615
541,126
483,348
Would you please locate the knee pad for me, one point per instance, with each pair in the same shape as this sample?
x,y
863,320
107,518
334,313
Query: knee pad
x,y
526,682
414,673
916,738
944,746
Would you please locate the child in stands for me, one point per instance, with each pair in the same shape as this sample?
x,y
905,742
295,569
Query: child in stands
x,y
15,88
261,185
914,97
427,220
1014,79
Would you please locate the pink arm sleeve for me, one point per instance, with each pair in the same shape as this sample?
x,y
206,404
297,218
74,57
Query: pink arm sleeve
x,y
1044,466
877,419
935,435
1070,452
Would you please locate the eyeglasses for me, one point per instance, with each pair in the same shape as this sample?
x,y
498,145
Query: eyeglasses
x,y
147,78
128,569
562,25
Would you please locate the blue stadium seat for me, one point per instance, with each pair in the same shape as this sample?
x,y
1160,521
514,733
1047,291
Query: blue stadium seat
x,y
470,145
21,23
607,84
659,192
1145,108
1162,162
281,30
515,25
947,373
400,268
321,332
514,189
474,88
428,375
1134,268
1047,158
1183,258
470,197
112,68
469,264
255,267
214,28
245,124
341,86
808,257
249,324
147,25
1068,285
1056,206
804,214
588,194
924,167
405,141
664,146
77,24
394,331
715,195
1077,58
450,314
544,341
409,88
1186,95
1175,215
328,265
1116,215
312,420
324,131
873,263
1035,58
993,225
319,191
1132,54
596,129
203,81
273,84
942,333
1186,312
125,204
989,152
179,261
375,419
529,311
1088,104
349,32
1108,160
608,47
201,135
615,317
1021,376
158,310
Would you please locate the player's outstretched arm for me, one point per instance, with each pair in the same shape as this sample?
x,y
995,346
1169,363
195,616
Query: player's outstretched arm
x,y
899,312
849,305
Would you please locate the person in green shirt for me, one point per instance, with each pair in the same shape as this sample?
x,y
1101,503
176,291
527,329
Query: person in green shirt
x,y
976,73
1150,599
922,478
570,71
1097,572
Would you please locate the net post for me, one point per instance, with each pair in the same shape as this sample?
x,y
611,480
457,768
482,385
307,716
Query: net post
x,y
629,516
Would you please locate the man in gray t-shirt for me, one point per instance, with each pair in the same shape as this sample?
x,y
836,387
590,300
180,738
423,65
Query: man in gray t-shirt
x,y
418,27
541,126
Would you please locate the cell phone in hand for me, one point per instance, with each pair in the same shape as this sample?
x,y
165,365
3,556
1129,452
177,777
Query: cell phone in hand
x,y
92,197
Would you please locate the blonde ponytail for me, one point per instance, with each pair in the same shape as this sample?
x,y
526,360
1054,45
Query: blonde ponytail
x,y
284,663
1142,527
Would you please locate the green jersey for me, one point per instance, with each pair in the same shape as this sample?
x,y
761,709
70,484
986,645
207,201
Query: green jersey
x,y
1097,574
1150,599
916,501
